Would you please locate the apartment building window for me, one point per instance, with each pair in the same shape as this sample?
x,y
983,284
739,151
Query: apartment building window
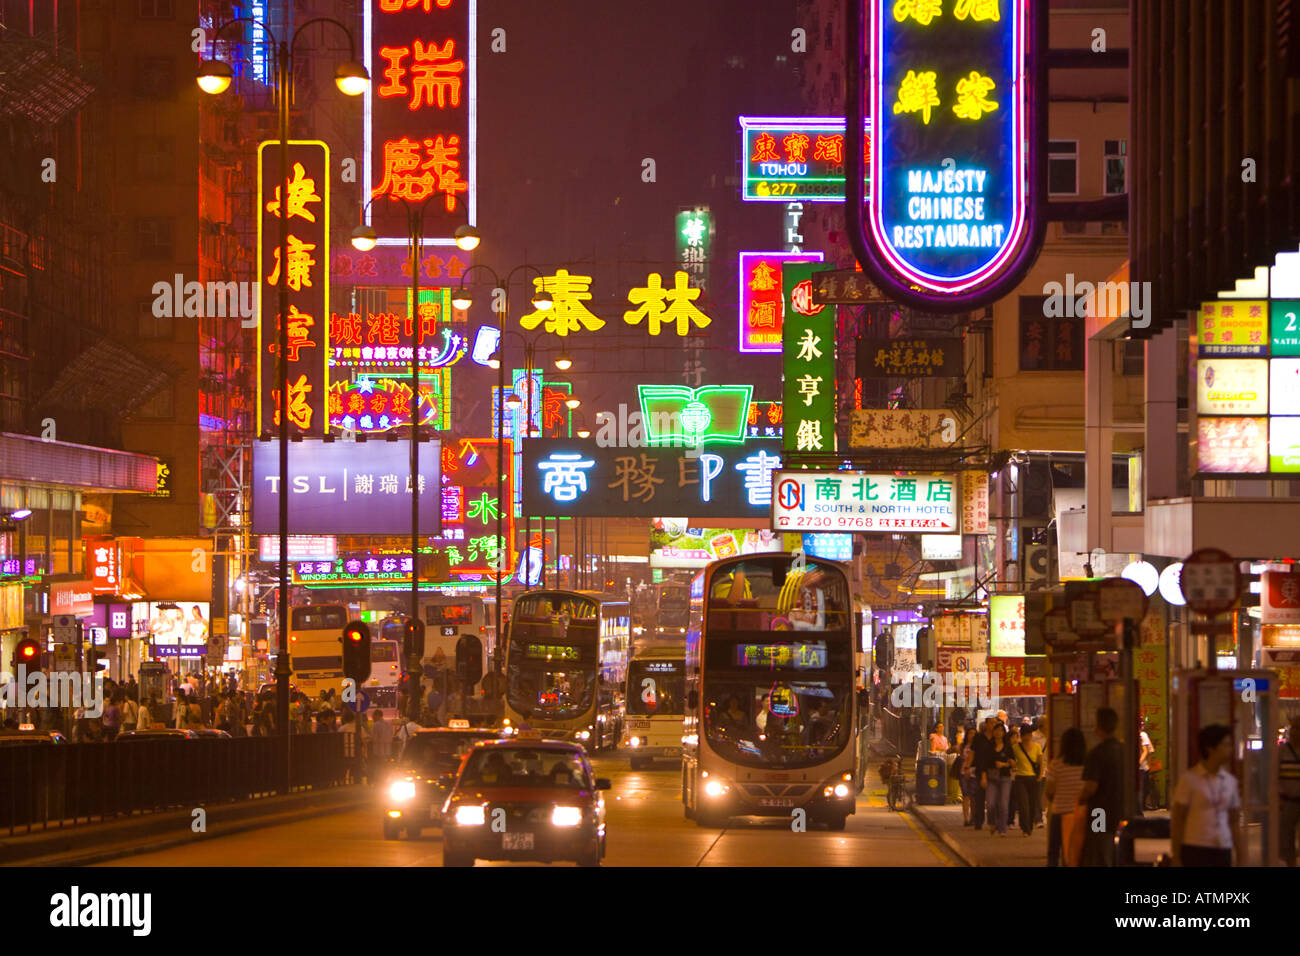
x,y
154,159
155,77
160,405
1063,167
150,326
157,9
153,237
1115,169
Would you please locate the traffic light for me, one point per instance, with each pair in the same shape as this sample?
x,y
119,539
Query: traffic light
x,y
413,639
28,652
469,659
356,652
96,661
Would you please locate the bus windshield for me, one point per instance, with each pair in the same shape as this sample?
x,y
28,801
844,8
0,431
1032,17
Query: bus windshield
x,y
551,663
383,651
656,687
778,662
323,618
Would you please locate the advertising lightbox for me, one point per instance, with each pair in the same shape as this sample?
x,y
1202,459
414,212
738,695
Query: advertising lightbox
x,y
852,501
1232,387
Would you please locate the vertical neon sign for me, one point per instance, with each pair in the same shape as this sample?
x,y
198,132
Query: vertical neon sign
x,y
956,97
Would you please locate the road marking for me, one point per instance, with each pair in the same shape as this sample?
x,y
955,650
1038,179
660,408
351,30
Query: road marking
x,y
943,858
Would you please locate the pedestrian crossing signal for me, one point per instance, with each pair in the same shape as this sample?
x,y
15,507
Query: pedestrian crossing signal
x,y
356,651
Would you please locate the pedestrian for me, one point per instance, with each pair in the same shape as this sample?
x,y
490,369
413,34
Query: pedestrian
x,y
405,733
1145,751
130,713
112,719
938,742
968,778
1064,780
1024,786
1039,736
304,725
381,745
997,780
982,762
144,719
222,717
1288,774
1206,806
1102,793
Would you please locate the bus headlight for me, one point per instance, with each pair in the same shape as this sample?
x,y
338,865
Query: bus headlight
x,y
470,816
507,731
401,791
715,788
634,741
566,816
584,735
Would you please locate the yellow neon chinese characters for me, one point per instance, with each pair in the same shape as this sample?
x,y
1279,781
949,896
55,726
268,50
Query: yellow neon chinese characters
x,y
300,410
917,94
298,272
763,278
922,11
302,190
652,298
972,101
977,10
567,313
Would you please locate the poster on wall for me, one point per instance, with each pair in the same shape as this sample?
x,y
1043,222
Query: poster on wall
x,y
1232,445
675,545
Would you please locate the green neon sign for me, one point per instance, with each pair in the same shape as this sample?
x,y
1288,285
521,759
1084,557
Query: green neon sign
x,y
679,414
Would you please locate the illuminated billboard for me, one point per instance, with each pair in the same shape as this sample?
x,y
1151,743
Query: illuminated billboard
x,y
789,159
679,414
762,307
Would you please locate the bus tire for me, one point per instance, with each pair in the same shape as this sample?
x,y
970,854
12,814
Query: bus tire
x,y
392,830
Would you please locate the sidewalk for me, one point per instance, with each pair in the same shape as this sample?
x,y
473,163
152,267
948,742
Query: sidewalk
x,y
981,848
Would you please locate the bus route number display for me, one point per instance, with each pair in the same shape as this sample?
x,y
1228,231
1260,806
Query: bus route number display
x,y
552,652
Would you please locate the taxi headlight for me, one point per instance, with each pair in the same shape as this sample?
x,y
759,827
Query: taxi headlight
x,y
715,788
507,731
470,816
584,735
634,742
841,790
566,816
401,791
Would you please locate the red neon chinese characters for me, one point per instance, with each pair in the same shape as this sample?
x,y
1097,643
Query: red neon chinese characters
x,y
764,148
302,190
383,329
300,324
407,177
796,147
829,148
396,6
298,273
434,74
300,410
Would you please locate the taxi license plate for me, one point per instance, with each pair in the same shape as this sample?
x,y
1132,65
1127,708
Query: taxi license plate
x,y
516,841
776,802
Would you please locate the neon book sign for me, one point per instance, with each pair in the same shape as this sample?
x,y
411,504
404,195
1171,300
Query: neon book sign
x,y
957,94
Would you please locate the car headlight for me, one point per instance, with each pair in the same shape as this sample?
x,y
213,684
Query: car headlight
x,y
566,816
507,731
468,815
841,790
401,790
584,735
715,788
634,741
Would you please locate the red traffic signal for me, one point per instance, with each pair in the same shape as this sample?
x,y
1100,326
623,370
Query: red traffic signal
x,y
27,651
356,651
413,638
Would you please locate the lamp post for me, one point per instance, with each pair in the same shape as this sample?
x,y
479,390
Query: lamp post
x,y
352,79
364,239
541,301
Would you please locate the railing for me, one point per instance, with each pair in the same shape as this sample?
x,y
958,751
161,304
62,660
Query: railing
x,y
61,785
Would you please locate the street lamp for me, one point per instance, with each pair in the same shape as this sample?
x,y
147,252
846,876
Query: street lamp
x,y
214,77
542,301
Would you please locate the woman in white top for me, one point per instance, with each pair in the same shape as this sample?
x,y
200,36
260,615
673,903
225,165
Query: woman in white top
x,y
1064,780
1207,804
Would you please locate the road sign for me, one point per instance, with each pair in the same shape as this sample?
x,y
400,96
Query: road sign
x,y
1211,581
66,629
361,704
65,657
1084,619
1057,631
1120,598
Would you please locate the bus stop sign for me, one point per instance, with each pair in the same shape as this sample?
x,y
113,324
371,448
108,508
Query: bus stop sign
x,y
1210,581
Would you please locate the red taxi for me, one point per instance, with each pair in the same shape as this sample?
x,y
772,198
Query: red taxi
x,y
525,799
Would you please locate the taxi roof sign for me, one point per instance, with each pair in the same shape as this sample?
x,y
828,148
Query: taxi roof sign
x,y
458,724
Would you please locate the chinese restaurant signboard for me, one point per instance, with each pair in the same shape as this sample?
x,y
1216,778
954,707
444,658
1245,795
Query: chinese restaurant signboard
x,y
808,358
902,428
795,159
421,138
950,220
762,307
305,273
908,358
851,501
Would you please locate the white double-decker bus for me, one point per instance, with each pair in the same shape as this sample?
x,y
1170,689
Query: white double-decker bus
x,y
770,723
656,700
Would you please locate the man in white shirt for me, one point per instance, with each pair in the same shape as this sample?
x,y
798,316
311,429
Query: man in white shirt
x,y
1207,804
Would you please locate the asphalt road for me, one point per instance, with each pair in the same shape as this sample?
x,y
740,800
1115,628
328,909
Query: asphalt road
x,y
645,828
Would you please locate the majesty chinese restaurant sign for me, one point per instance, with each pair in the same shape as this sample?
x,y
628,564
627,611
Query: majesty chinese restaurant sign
x,y
305,274
421,138
762,308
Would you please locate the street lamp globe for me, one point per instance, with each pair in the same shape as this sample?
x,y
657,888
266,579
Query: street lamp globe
x,y
462,300
573,402
352,78
364,238
513,400
214,76
563,362
542,301
584,432
467,238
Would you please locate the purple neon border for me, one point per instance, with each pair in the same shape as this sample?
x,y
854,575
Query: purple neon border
x,y
740,305
1012,245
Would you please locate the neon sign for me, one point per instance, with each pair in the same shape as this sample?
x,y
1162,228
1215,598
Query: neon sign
x,y
693,416
378,405
952,220
305,272
421,111
658,307
790,158
762,309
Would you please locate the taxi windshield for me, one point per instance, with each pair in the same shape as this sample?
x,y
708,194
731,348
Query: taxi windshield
x,y
525,767
440,751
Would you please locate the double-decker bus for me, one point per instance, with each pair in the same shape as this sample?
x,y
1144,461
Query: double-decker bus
x,y
385,674
770,723
316,648
672,610
566,663
656,694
